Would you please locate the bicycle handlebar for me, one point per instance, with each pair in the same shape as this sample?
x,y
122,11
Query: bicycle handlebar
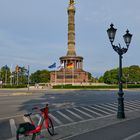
x,y
40,109
36,108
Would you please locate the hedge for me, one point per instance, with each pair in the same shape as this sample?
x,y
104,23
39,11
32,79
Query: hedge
x,y
13,86
69,86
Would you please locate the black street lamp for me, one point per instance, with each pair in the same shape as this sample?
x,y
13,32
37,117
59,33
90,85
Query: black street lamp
x,y
6,70
127,38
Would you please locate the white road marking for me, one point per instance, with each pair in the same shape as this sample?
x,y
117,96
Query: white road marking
x,y
65,116
112,104
55,119
133,103
107,105
74,114
127,107
26,119
100,110
13,127
105,108
10,117
92,111
132,136
115,105
130,107
83,112
136,101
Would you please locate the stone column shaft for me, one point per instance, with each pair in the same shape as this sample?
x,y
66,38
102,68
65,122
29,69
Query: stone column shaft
x,y
71,29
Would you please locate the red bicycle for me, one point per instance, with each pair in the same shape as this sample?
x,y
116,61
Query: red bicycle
x,y
28,130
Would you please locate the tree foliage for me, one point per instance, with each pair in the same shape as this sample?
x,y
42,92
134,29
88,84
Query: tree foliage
x,y
13,77
40,76
5,74
20,77
130,75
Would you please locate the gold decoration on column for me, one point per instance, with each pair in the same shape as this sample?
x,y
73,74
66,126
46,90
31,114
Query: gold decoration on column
x,y
71,2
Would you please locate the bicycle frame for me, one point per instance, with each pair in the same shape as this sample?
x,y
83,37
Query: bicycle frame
x,y
44,117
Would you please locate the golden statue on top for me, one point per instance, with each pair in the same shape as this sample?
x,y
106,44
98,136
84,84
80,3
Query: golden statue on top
x,y
72,2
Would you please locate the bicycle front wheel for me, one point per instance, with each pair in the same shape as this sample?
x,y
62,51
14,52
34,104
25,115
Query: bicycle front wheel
x,y
25,137
50,127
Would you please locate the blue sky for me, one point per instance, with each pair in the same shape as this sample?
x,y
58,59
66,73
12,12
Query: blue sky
x,y
34,32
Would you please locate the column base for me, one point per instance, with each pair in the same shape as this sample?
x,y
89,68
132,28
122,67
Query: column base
x,y
120,113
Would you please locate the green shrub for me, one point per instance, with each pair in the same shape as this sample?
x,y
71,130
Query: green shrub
x,y
13,86
84,87
70,86
133,86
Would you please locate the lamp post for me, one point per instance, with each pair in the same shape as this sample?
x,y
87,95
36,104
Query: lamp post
x,y
6,70
120,50
28,85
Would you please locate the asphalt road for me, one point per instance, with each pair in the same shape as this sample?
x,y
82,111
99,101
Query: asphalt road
x,y
66,107
17,105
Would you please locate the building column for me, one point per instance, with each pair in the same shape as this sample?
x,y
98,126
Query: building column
x,y
79,65
75,64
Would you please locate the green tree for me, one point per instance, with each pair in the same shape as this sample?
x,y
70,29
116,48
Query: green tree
x,y
40,76
107,77
101,79
5,74
23,75
92,79
130,74
20,76
134,74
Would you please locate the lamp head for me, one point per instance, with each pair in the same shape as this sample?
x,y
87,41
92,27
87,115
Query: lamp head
x,y
111,33
127,38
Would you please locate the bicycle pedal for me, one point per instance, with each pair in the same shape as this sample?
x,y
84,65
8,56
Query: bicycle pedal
x,y
40,136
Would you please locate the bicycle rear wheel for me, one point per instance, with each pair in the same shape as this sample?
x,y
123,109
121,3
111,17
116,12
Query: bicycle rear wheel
x,y
25,137
22,131
50,127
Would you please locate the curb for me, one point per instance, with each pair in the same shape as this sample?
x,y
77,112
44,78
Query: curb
x,y
21,93
16,94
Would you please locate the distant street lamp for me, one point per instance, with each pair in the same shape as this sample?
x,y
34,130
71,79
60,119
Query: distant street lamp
x,y
28,76
126,76
127,38
6,69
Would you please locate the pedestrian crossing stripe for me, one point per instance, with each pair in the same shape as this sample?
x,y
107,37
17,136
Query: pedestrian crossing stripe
x,y
111,107
92,111
86,114
26,119
105,112
55,119
101,106
13,127
74,114
65,116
